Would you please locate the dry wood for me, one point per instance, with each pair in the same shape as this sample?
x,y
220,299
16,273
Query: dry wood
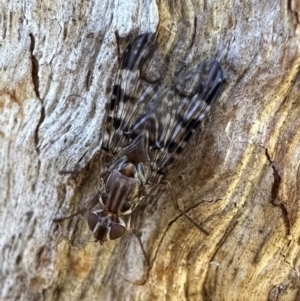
x,y
239,179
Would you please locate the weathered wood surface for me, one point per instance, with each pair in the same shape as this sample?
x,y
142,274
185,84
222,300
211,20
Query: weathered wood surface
x,y
239,179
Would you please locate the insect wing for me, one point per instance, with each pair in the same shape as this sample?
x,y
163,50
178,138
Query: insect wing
x,y
171,116
151,123
126,102
193,95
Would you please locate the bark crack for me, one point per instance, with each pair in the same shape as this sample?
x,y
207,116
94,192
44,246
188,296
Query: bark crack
x,y
34,67
277,179
160,243
275,191
173,221
36,83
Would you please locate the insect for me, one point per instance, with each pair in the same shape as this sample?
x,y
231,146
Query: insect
x,y
146,128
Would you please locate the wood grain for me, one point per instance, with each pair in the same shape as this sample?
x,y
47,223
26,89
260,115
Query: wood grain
x,y
239,178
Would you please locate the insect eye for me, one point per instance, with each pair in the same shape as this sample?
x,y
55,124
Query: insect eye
x,y
92,221
116,231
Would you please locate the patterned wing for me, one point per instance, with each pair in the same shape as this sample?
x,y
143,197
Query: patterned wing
x,y
194,94
170,117
132,90
150,124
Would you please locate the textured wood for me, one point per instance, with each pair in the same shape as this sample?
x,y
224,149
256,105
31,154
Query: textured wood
x,y
239,178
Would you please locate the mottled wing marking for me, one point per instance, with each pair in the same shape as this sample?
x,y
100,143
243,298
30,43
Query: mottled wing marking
x,y
147,122
194,93
146,128
131,91
170,117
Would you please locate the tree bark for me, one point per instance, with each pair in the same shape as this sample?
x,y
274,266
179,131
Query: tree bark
x,y
239,178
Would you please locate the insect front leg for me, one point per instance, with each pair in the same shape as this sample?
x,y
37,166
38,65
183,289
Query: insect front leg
x,y
91,204
81,168
77,168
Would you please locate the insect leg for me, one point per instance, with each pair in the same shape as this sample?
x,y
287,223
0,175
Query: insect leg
x,y
174,200
77,168
60,219
91,204
132,222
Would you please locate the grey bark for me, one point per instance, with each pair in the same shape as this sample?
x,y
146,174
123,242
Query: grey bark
x,y
239,178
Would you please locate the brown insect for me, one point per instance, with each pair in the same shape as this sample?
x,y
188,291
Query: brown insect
x,y
146,128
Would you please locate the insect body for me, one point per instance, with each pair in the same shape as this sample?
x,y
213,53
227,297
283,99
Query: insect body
x,y
146,128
